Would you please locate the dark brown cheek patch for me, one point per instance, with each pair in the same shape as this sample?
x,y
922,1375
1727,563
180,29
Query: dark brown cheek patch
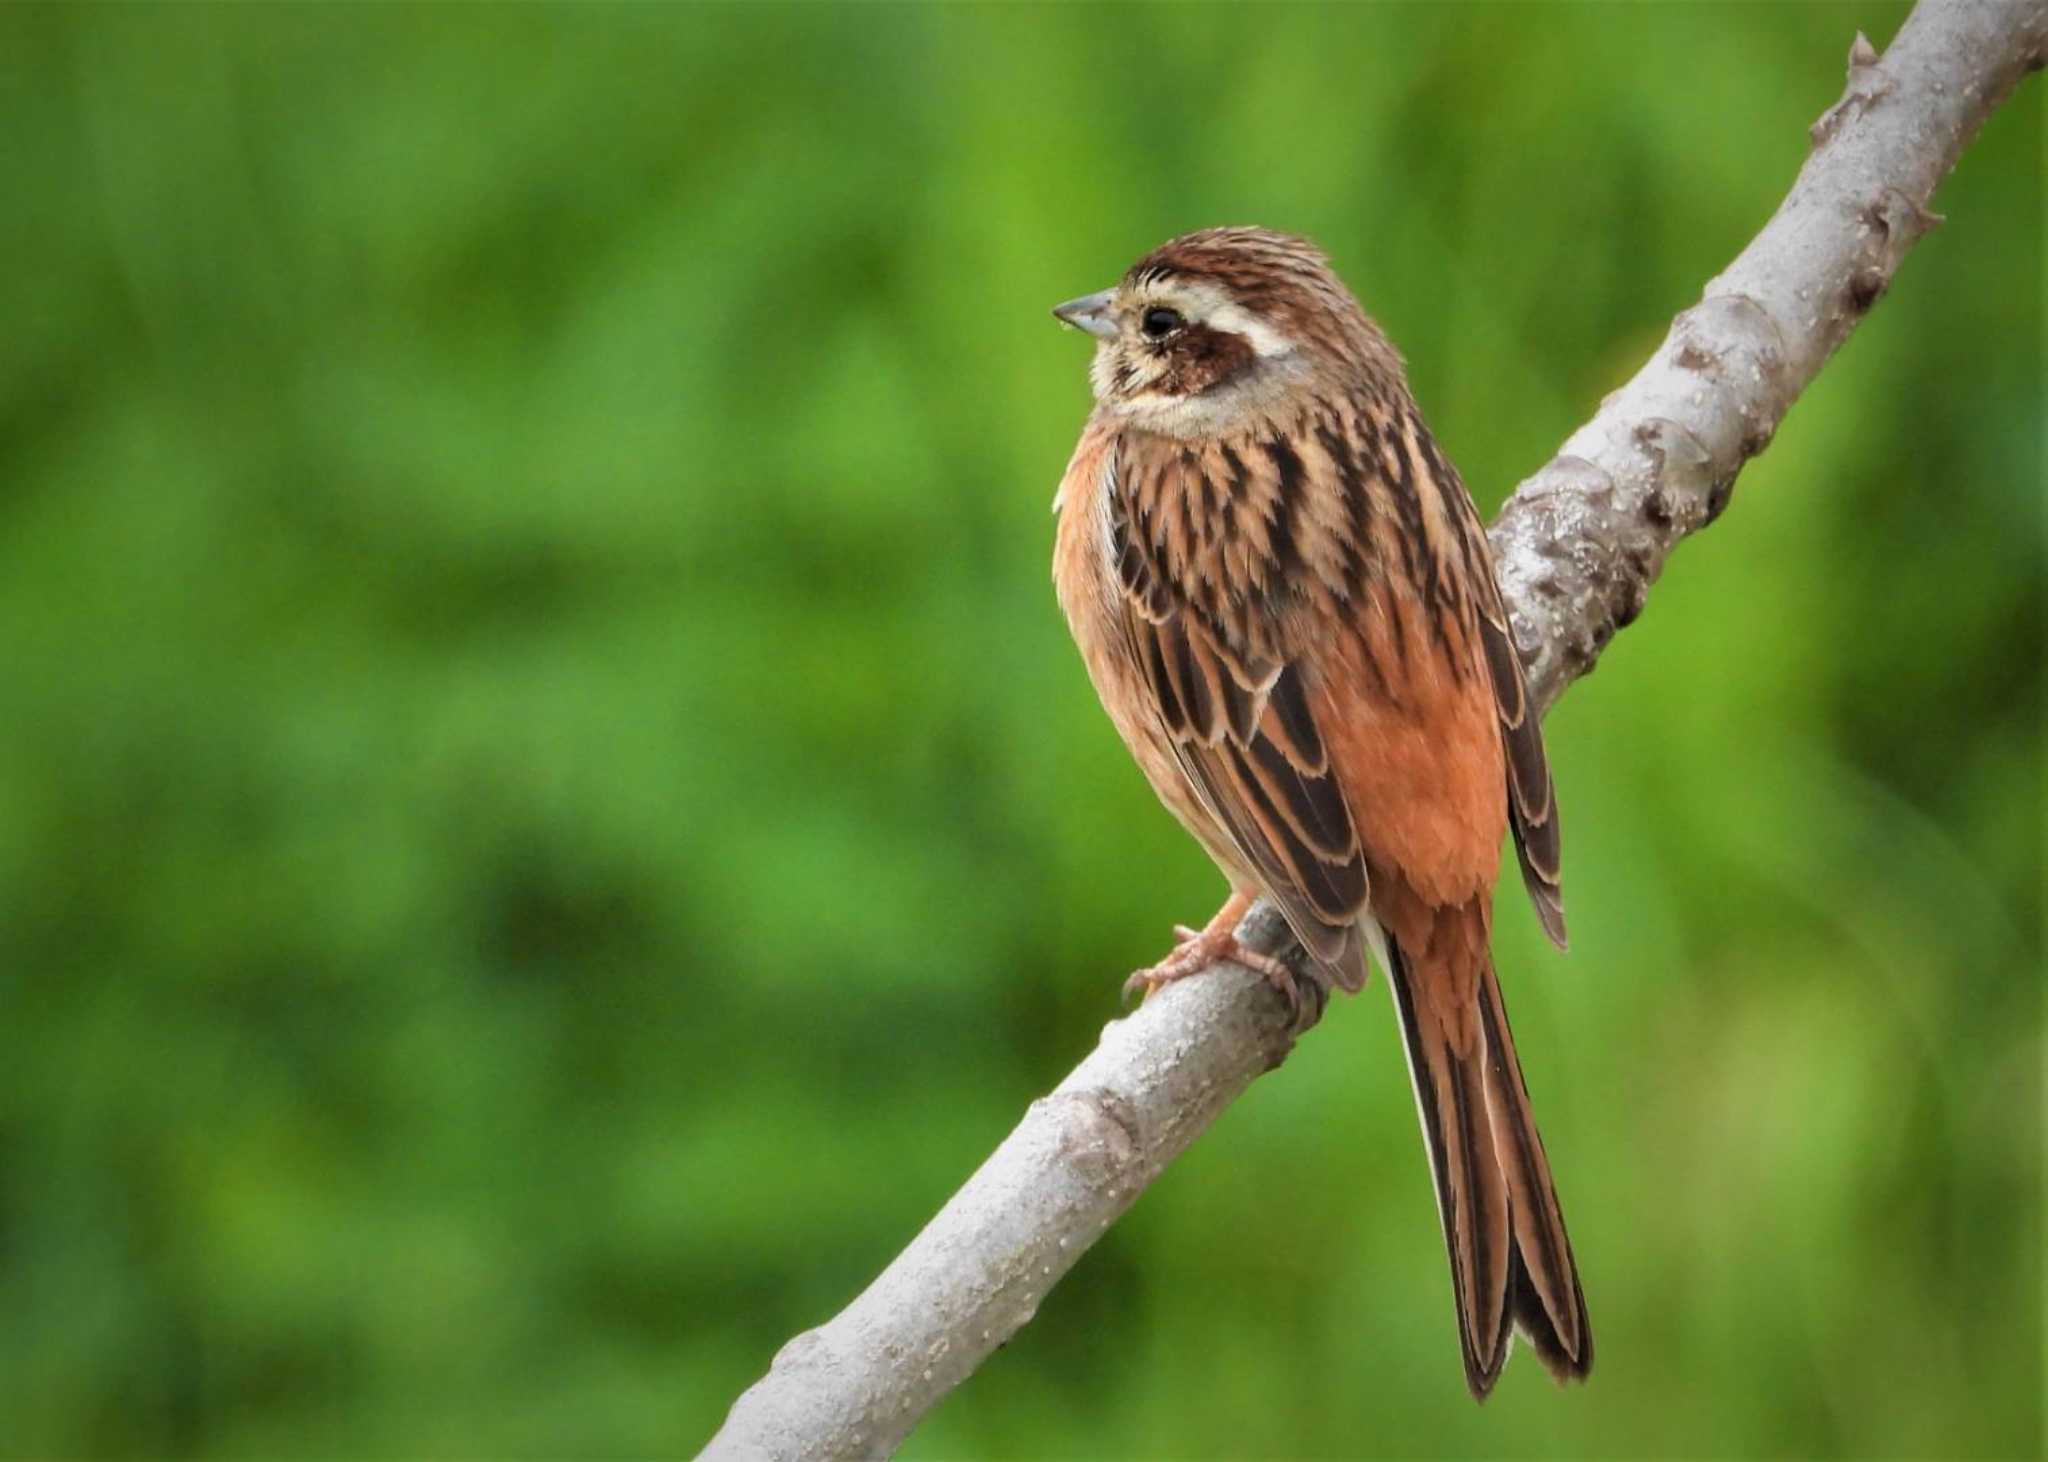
x,y
1199,357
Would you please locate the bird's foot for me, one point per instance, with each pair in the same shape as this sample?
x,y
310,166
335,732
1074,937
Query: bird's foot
x,y
1217,943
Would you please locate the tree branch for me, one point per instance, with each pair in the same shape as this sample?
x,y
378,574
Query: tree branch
x,y
1577,547
1578,544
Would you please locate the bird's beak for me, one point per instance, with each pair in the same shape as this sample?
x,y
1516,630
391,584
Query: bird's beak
x,y
1090,312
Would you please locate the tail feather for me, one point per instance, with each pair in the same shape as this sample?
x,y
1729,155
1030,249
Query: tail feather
x,y
1541,1242
1511,1261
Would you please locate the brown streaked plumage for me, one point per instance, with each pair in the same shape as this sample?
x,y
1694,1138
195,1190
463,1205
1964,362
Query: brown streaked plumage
x,y
1287,604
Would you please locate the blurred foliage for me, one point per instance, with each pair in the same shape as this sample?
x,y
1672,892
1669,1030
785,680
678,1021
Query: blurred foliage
x,y
548,817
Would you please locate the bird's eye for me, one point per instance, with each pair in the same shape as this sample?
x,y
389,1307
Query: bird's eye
x,y
1161,322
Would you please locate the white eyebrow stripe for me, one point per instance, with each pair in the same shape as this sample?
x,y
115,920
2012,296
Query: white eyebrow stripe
x,y
1238,320
1212,307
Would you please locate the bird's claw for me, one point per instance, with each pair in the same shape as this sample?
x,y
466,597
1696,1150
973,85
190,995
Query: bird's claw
x,y
1199,950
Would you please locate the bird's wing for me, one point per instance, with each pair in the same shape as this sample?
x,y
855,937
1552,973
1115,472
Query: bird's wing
x,y
1431,724
1239,719
1532,799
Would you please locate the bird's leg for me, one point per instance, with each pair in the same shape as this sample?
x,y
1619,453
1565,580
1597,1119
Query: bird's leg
x,y
1215,943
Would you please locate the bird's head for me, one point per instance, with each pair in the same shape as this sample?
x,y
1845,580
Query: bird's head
x,y
1218,325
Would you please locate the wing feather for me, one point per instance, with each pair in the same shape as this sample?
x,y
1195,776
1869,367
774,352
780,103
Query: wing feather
x,y
1243,731
1532,800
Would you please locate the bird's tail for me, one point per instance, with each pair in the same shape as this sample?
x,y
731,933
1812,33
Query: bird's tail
x,y
1511,1263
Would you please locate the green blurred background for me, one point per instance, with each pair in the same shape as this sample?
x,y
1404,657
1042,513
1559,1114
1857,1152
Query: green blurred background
x,y
548,817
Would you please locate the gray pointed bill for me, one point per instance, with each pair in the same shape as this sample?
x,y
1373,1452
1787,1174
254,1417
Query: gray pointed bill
x,y
1090,312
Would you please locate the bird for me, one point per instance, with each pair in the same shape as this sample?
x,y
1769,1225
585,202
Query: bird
x,y
1286,602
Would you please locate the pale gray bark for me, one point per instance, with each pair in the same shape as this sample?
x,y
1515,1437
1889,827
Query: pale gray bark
x,y
1578,546
1580,542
